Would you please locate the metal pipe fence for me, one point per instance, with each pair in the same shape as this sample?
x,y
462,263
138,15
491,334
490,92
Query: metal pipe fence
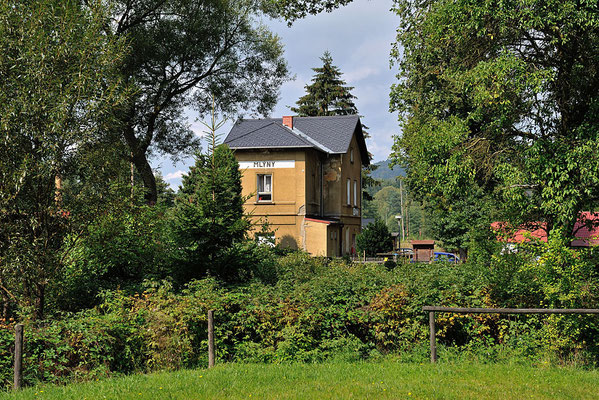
x,y
466,310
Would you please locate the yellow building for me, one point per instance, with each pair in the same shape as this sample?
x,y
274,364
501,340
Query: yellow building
x,y
302,175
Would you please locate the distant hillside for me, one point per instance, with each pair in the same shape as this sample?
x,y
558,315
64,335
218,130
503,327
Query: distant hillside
x,y
384,172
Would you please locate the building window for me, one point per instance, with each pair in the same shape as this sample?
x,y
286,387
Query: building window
x,y
355,193
351,155
264,187
349,192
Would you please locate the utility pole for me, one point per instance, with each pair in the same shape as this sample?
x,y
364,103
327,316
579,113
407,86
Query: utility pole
x,y
402,227
407,217
399,219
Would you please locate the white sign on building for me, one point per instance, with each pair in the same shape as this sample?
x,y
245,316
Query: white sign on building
x,y
267,164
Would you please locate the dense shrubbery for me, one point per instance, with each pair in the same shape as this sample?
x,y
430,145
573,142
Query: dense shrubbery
x,y
118,250
314,309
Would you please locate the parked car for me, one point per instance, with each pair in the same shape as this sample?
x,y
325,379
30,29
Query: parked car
x,y
441,256
404,252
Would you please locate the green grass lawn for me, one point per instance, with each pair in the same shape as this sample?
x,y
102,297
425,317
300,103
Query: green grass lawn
x,y
382,380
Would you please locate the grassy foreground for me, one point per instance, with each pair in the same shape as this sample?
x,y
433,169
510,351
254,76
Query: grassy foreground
x,y
383,380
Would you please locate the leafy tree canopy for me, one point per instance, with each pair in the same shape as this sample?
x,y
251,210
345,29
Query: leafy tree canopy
x,y
58,89
293,10
183,52
499,103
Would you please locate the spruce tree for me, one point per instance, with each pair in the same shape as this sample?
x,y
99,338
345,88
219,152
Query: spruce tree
x,y
208,217
327,95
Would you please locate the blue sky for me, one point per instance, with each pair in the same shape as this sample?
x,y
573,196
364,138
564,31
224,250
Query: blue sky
x,y
359,37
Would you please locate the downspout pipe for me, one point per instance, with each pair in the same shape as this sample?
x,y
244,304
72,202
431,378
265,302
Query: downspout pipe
x,y
321,188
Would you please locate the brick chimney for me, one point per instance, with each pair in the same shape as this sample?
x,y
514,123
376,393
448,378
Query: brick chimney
x,y
288,121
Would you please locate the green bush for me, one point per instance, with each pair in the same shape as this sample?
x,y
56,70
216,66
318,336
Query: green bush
x,y
300,308
118,250
375,238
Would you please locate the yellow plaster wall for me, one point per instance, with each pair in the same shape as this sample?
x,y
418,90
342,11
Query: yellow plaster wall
x,y
332,195
296,193
351,226
316,238
288,193
353,172
337,169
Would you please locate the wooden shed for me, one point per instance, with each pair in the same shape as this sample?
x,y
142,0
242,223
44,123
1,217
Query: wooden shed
x,y
423,250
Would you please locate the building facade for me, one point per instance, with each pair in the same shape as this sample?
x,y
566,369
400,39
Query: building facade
x,y
302,176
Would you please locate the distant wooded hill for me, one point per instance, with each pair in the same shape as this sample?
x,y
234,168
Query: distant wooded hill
x,y
384,172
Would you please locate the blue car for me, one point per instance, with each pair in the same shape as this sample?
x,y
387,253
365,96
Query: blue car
x,y
446,257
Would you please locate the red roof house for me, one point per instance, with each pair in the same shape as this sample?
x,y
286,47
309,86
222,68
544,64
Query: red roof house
x,y
586,231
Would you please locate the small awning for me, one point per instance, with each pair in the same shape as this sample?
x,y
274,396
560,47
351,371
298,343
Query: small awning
x,y
322,220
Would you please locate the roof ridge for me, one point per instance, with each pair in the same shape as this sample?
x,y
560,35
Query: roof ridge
x,y
306,137
328,134
327,116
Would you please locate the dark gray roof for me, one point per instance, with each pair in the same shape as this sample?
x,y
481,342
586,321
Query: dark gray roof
x,y
263,133
330,135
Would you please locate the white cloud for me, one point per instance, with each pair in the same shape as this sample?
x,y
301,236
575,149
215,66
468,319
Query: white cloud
x,y
359,74
174,175
380,142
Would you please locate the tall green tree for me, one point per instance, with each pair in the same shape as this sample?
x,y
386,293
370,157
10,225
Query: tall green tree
x,y
388,205
208,217
182,52
58,91
499,105
327,94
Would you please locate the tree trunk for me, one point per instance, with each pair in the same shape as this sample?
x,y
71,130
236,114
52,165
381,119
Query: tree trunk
x,y
138,158
147,175
58,191
463,254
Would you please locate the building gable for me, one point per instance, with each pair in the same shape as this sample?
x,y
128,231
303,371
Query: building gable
x,y
331,135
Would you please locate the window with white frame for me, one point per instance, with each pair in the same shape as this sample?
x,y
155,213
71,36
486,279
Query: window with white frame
x,y
355,193
351,155
349,192
264,187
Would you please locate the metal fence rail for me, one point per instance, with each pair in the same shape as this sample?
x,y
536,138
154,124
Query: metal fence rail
x,y
461,310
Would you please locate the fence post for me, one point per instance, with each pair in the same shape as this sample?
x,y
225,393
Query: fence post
x,y
210,338
431,323
18,377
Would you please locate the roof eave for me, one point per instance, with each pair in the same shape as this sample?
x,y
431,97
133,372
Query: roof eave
x,y
268,147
